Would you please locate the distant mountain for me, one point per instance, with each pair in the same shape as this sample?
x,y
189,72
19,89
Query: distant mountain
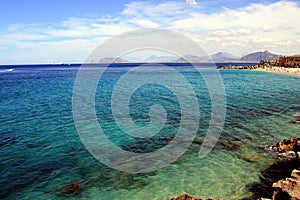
x,y
190,58
217,57
112,59
224,56
258,56
155,58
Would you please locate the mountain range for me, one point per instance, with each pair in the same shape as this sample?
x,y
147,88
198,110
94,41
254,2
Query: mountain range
x,y
217,57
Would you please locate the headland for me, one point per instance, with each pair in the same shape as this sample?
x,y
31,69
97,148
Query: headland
x,y
284,65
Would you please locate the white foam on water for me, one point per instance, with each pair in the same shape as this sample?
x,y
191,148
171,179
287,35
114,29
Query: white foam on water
x,y
6,70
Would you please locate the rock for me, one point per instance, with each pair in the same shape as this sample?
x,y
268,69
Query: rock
x,y
189,197
229,145
244,139
198,141
238,67
288,188
214,199
251,158
74,188
290,144
295,121
185,197
71,189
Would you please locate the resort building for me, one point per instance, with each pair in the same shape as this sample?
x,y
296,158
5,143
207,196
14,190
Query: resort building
x,y
288,61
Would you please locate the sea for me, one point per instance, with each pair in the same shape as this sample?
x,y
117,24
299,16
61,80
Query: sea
x,y
44,156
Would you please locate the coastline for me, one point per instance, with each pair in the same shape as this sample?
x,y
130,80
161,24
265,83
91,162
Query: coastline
x,y
273,69
280,70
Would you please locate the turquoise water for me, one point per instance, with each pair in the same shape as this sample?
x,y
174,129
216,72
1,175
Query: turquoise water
x,y
41,152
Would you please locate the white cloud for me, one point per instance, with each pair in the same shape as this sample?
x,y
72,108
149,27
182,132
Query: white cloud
x,y
272,26
145,23
275,23
191,2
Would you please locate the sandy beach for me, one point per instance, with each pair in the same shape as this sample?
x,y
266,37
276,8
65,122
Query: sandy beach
x,y
291,71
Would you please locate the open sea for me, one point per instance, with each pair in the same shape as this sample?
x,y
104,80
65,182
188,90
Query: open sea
x,y
42,155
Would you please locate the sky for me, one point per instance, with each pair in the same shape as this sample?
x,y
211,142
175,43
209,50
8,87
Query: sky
x,y
35,31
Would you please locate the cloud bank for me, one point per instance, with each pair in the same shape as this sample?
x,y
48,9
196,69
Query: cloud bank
x,y
273,26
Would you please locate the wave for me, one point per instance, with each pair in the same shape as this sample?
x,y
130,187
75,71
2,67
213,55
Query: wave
x,y
6,70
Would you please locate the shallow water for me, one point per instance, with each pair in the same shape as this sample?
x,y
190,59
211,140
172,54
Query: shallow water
x,y
41,152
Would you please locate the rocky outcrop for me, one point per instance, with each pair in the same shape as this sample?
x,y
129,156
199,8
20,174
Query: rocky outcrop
x,y
286,145
185,197
288,188
189,197
250,67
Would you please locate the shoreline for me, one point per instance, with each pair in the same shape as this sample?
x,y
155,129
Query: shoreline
x,y
280,70
273,69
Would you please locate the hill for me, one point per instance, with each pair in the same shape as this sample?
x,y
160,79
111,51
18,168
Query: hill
x,y
258,56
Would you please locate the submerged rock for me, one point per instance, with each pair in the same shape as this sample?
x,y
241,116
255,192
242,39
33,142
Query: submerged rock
x,y
296,119
229,145
288,188
252,158
198,141
72,189
190,197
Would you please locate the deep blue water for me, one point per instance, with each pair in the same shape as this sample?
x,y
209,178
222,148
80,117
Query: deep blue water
x,y
42,154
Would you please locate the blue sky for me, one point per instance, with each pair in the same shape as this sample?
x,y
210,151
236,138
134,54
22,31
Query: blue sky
x,y
35,31
37,11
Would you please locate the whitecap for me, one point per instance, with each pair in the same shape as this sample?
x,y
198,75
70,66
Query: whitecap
x,y
6,70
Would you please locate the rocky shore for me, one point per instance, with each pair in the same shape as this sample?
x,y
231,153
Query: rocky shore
x,y
265,67
288,188
281,181
250,67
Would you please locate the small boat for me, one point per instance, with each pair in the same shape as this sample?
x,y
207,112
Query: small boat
x,y
58,63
